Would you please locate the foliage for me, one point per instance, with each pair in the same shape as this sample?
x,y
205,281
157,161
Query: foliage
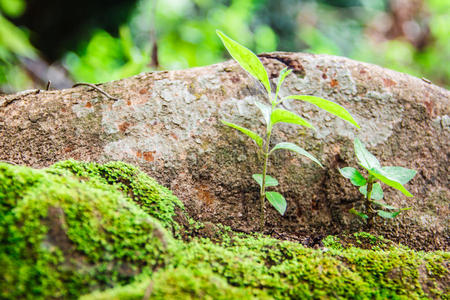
x,y
185,29
184,33
106,58
14,44
394,177
347,31
273,115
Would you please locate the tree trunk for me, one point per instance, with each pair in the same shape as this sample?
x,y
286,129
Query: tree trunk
x,y
168,123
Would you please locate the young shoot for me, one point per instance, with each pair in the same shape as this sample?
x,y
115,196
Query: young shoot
x,y
273,115
370,186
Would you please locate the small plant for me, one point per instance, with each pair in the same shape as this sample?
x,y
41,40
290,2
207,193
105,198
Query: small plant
x,y
371,189
273,115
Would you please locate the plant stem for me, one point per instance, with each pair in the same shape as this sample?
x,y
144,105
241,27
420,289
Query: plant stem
x,y
370,210
262,193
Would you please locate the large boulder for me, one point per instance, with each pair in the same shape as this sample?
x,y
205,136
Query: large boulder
x,y
168,123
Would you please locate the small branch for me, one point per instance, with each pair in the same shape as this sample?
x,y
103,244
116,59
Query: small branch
x,y
9,162
48,85
155,61
98,89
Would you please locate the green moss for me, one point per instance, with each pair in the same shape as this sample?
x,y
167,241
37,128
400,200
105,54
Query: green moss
x,y
332,242
264,267
180,283
154,199
60,237
363,240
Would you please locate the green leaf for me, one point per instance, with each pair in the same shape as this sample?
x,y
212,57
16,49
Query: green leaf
x,y
277,201
359,214
283,74
402,175
297,149
265,110
282,115
367,159
387,206
379,174
387,214
246,59
329,106
355,177
270,181
258,140
12,8
377,191
14,39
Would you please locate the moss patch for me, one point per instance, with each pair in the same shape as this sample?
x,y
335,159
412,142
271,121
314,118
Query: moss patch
x,y
60,237
154,199
266,268
363,240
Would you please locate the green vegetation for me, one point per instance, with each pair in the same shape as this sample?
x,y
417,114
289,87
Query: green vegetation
x,y
152,198
14,43
412,39
107,58
257,267
62,236
394,177
75,228
273,115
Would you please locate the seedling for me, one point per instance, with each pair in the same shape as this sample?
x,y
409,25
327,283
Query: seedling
x,y
371,189
274,115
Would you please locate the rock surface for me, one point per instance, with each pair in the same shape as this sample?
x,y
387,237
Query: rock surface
x,y
168,123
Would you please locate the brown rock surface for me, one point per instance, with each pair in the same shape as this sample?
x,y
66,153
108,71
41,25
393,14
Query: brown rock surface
x,y
168,123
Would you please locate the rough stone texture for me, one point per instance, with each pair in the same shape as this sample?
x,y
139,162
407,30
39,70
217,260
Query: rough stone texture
x,y
168,123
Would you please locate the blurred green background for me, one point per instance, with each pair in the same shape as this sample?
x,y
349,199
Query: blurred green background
x,y
97,41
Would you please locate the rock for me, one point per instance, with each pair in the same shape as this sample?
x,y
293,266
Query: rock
x,y
168,123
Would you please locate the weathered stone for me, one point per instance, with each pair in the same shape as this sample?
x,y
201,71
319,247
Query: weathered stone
x,y
168,123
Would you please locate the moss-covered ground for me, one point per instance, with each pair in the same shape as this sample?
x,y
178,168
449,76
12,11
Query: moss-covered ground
x,y
109,232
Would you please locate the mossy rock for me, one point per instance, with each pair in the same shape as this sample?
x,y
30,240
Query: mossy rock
x,y
256,267
78,227
153,198
62,237
180,283
363,240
